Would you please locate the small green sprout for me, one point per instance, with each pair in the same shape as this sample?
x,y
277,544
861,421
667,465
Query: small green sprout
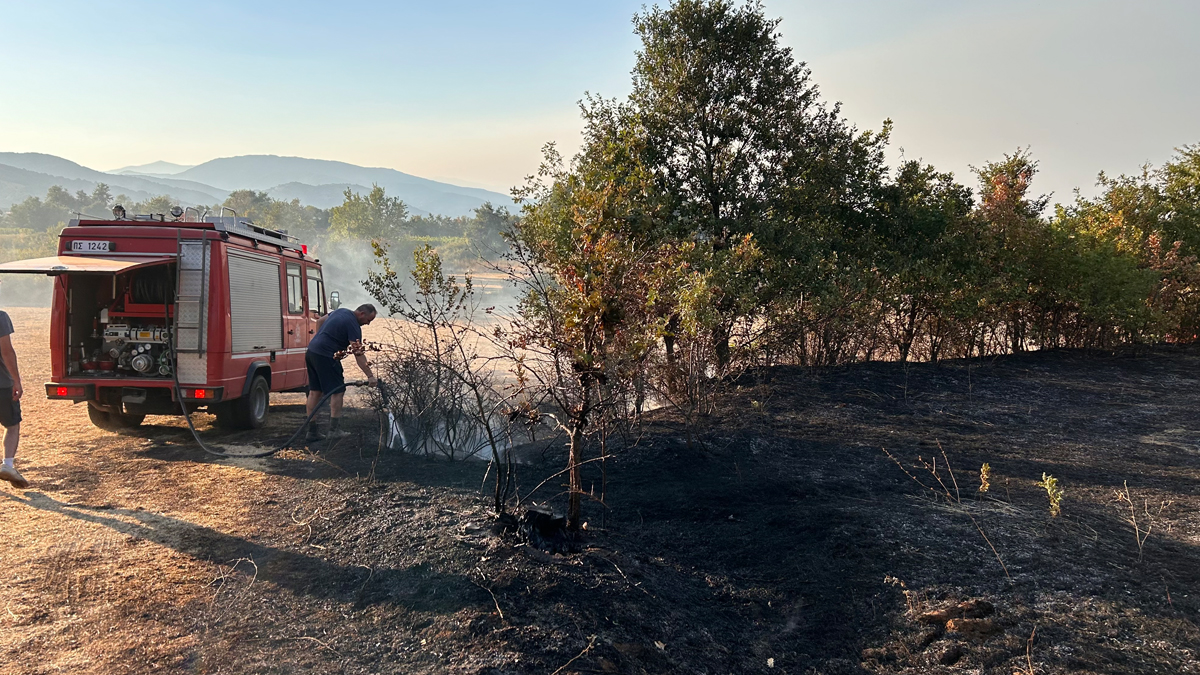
x,y
1054,492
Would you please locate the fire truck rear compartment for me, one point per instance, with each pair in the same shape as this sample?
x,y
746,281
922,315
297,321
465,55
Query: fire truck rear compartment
x,y
118,326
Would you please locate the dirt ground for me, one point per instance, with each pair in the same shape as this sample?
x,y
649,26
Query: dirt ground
x,y
789,542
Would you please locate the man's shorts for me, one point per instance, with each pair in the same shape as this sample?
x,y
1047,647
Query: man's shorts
x,y
324,372
10,410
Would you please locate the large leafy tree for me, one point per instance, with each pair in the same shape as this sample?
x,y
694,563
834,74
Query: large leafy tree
x,y
374,216
737,142
485,228
34,214
1136,244
1012,219
250,204
719,101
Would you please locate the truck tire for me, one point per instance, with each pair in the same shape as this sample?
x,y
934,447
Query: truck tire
x,y
113,421
249,411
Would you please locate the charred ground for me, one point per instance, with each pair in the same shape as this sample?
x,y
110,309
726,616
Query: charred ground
x,y
788,542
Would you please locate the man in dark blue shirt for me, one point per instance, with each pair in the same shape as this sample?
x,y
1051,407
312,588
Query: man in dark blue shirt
x,y
339,333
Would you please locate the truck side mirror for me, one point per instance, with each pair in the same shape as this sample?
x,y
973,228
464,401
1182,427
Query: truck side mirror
x,y
335,300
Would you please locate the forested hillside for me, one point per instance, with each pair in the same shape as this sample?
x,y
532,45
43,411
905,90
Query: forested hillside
x,y
343,236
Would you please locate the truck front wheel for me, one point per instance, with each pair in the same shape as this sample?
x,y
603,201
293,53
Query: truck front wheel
x,y
111,421
249,411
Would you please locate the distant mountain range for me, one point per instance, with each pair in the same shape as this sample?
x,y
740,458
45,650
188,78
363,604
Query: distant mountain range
x,y
316,182
159,168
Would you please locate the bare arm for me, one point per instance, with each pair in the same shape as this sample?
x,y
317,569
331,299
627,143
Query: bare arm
x,y
9,356
320,322
361,359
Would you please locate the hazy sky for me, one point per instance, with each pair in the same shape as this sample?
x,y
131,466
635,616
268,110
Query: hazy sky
x,y
470,90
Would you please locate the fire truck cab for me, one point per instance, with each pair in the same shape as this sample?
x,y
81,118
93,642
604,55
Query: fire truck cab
x,y
225,306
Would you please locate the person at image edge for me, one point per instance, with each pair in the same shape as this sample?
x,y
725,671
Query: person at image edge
x,y
10,403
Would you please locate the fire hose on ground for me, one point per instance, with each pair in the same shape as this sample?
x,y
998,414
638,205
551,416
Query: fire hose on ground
x,y
286,444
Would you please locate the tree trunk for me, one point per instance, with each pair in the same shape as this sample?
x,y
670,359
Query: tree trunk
x,y
639,395
936,338
1017,337
575,458
720,338
669,337
910,332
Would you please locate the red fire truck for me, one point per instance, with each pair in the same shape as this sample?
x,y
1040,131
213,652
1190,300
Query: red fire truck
x,y
224,305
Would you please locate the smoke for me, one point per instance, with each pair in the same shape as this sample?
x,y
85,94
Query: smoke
x,y
25,290
345,265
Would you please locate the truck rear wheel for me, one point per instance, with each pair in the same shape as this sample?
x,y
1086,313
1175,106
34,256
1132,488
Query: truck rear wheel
x,y
249,411
113,421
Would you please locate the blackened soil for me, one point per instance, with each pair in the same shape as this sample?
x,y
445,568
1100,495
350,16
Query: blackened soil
x,y
789,541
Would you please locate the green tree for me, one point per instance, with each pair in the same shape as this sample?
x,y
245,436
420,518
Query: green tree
x,y
34,214
306,223
1138,242
159,205
585,322
737,142
250,204
486,227
1179,182
59,207
921,226
1017,232
375,217
101,196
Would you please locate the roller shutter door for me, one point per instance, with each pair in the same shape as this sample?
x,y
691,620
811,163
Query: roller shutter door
x,y
255,301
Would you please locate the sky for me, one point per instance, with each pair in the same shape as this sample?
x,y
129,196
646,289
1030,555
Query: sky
x,y
468,91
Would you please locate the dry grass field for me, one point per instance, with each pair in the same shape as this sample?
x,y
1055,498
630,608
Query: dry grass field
x,y
788,542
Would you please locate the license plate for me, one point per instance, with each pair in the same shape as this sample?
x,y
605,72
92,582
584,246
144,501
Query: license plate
x,y
85,246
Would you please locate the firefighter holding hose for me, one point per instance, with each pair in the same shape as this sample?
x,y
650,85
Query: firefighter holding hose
x,y
339,333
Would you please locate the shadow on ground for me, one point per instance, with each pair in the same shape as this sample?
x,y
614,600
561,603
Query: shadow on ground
x,y
416,588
